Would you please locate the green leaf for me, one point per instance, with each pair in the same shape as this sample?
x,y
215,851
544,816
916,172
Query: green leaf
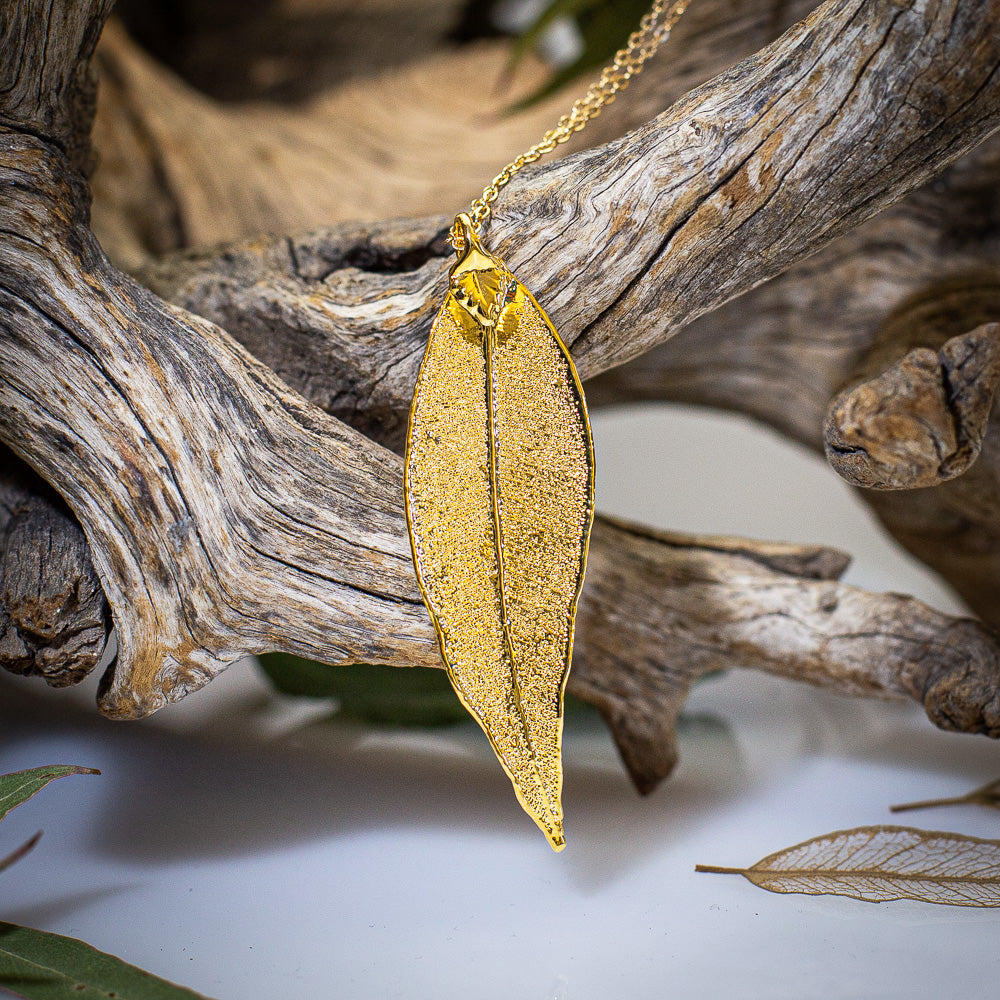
x,y
18,787
605,27
371,692
376,693
41,966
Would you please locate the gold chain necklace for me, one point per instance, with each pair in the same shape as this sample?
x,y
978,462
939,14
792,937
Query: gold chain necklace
x,y
499,480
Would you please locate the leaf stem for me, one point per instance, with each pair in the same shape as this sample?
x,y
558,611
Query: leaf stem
x,y
718,870
956,800
985,795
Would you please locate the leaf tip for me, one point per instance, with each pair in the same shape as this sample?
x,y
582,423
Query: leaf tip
x,y
556,838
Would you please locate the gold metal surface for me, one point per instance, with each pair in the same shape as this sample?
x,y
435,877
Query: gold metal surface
x,y
499,482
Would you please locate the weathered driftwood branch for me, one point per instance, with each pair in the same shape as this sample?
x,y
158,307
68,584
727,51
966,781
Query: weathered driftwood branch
x,y
927,423
780,352
661,610
920,422
716,603
920,274
759,354
227,515
177,169
728,188
54,619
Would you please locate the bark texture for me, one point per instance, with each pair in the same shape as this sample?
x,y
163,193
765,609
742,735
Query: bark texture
x,y
238,502
717,603
897,316
54,620
780,351
415,128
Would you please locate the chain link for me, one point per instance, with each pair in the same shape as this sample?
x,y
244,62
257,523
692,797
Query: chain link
x,y
653,30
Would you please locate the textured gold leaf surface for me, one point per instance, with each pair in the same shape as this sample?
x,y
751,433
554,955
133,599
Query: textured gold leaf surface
x,y
880,863
499,501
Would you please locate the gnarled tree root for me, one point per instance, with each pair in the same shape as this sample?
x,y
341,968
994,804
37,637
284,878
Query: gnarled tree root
x,y
227,515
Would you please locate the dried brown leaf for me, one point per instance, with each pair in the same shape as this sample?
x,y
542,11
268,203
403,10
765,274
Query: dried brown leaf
x,y
881,863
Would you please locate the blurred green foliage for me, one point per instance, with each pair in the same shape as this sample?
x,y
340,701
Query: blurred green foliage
x,y
604,26
371,692
375,693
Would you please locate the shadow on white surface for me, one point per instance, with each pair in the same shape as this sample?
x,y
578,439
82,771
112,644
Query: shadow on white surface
x,y
181,796
63,906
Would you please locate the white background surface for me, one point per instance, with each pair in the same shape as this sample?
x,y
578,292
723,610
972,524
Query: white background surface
x,y
241,849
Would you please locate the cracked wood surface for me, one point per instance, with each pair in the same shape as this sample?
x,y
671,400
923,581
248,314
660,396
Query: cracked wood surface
x,y
54,620
228,515
178,169
316,310
731,603
718,194
885,313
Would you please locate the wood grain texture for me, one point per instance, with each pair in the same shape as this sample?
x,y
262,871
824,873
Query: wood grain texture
x,y
54,619
723,603
783,350
308,553
779,351
725,190
908,294
417,127
228,515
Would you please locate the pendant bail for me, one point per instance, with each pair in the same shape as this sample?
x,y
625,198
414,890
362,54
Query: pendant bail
x,y
462,234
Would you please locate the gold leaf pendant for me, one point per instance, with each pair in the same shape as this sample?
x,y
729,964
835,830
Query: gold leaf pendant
x,y
499,483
